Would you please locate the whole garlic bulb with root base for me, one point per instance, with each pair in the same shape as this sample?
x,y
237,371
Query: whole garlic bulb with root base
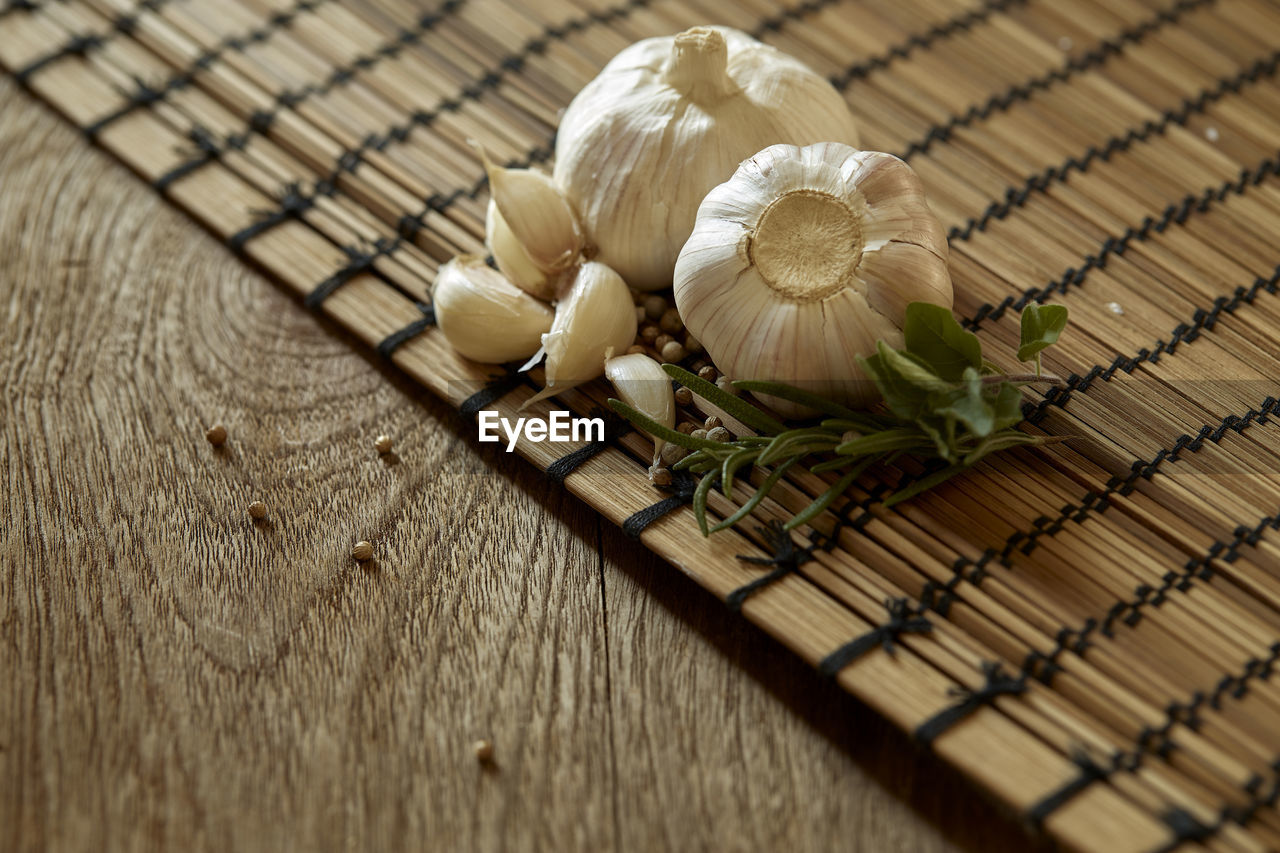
x,y
595,317
803,260
485,317
666,121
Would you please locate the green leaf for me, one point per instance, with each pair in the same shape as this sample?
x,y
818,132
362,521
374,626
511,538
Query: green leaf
x,y
1008,407
732,463
904,438
798,395
700,501
932,334
904,397
942,432
823,501
746,508
969,405
1001,441
643,422
735,407
791,441
923,485
1041,326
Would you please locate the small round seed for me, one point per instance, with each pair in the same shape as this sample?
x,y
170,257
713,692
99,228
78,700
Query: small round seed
x,y
673,351
640,317
483,750
684,396
662,340
719,434
654,306
362,551
708,373
661,476
672,453
725,384
671,321
849,436
687,427
692,344
382,444
216,435
698,433
712,422
636,349
257,510
650,333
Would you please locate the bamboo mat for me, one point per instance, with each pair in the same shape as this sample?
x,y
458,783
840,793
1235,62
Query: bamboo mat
x,y
1088,629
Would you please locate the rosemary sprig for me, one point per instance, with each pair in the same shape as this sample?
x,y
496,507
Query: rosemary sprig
x,y
942,402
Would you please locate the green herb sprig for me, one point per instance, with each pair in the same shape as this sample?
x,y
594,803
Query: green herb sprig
x,y
942,401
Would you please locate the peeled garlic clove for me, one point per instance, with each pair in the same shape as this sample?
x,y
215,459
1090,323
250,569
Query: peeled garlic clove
x,y
538,216
485,317
642,385
803,260
512,259
666,121
595,315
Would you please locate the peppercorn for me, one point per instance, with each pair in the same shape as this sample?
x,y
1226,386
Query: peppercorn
x,y
671,321
719,434
216,435
382,444
654,306
673,352
661,476
708,373
257,510
362,551
483,750
684,396
712,422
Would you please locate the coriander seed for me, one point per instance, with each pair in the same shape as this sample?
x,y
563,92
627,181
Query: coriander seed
x,y
654,306
725,384
483,750
692,344
684,396
672,453
673,352
698,433
662,340
719,434
687,427
257,510
671,321
712,422
382,444
637,349
661,476
216,435
708,373
362,551
650,333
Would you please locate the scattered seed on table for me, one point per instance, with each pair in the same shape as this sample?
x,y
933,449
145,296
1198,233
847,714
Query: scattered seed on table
x,y
257,510
684,396
362,551
483,750
383,443
216,435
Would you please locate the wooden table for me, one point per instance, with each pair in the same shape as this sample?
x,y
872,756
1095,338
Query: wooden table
x,y
178,675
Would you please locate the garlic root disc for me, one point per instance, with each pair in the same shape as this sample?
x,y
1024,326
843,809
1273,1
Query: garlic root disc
x,y
595,315
666,121
642,385
803,260
485,317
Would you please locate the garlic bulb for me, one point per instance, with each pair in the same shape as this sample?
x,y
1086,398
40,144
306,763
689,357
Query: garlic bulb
x,y
668,119
595,316
804,259
535,218
642,385
485,317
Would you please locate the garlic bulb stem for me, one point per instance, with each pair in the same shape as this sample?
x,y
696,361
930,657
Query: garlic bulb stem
x,y
698,68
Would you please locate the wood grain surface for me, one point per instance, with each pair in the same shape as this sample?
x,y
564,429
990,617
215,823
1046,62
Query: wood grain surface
x,y
178,676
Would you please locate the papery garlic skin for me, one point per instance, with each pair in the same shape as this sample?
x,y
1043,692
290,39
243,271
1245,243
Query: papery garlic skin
x,y
536,214
595,315
803,260
642,384
667,120
485,317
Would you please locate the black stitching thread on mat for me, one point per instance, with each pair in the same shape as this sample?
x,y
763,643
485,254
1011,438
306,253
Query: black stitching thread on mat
x,y
473,91
1157,740
900,621
1174,214
614,428
359,260
1024,91
787,558
80,45
859,70
18,6
774,23
492,392
997,684
1204,319
1016,197
392,342
184,78
292,203
1185,827
681,490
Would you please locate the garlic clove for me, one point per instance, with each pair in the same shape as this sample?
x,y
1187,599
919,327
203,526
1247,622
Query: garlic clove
x,y
642,385
595,314
803,260
512,259
485,317
537,215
